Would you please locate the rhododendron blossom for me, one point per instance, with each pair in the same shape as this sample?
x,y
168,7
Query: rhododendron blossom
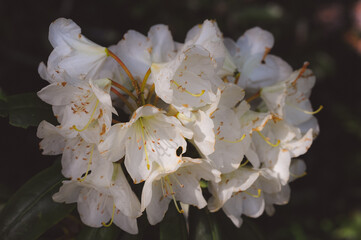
x,y
207,110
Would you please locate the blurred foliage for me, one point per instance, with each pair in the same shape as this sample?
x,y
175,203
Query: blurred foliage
x,y
324,205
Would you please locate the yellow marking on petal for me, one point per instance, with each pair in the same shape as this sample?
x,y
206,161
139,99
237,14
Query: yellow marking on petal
x,y
179,209
90,120
144,143
89,163
253,195
228,141
311,113
182,116
185,90
244,164
111,220
298,176
267,141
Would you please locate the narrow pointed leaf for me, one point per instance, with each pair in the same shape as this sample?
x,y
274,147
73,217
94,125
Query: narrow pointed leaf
x,y
31,210
203,225
25,110
173,225
109,233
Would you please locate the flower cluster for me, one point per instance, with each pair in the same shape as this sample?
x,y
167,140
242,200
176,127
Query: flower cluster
x,y
246,112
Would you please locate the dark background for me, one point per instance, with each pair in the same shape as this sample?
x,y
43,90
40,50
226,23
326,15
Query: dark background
x,y
326,203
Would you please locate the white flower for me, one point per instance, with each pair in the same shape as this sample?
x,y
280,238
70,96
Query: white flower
x,y
277,143
182,185
233,126
150,136
242,193
104,196
138,52
73,53
188,81
208,36
78,107
250,54
289,100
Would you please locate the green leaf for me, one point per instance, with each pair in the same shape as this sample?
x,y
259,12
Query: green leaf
x,y
202,225
173,225
31,210
109,233
25,110
229,231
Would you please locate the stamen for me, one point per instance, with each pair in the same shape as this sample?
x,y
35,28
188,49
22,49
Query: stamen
x,y
185,90
111,220
90,120
303,69
89,163
151,91
244,164
179,209
236,141
311,113
267,141
298,176
144,143
124,89
130,107
116,58
162,184
266,52
251,98
144,82
176,179
238,75
253,195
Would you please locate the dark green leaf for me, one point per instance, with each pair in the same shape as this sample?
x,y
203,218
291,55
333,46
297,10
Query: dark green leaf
x,y
202,225
31,210
229,231
173,225
109,233
25,110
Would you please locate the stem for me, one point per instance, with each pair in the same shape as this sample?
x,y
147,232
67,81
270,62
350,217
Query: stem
x,y
134,82
130,107
151,91
145,79
124,89
251,98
